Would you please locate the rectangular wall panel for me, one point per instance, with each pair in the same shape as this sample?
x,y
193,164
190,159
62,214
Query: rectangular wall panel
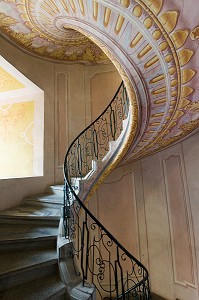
x,y
179,220
61,117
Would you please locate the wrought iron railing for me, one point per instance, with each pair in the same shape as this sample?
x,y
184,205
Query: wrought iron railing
x,y
99,257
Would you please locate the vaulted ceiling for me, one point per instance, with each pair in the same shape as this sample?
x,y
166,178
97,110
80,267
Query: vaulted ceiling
x,y
153,44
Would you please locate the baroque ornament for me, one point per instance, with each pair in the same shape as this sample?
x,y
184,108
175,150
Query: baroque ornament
x,y
144,40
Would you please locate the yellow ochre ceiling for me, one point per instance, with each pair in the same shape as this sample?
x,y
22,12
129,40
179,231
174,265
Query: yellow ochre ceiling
x,y
153,43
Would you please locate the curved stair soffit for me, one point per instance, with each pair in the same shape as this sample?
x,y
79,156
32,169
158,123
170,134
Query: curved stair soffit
x,y
159,62
151,48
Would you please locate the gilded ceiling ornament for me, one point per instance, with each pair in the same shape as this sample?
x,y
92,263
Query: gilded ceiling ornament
x,y
37,41
155,139
153,44
195,33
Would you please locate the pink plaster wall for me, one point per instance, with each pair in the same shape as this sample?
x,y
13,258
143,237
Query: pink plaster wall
x,y
152,207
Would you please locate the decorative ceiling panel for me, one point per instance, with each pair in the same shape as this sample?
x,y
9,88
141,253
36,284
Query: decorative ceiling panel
x,y
30,24
153,44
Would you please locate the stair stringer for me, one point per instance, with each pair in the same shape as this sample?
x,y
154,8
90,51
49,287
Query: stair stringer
x,y
84,187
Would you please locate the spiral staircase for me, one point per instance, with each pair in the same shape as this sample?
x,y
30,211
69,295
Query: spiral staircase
x,y
72,256
99,258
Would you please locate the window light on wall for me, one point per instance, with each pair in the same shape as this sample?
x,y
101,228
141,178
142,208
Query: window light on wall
x,y
21,124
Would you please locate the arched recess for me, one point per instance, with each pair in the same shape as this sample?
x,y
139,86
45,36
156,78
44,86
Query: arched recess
x,y
21,124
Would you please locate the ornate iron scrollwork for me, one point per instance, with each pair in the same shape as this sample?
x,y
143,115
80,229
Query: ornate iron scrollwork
x,y
101,259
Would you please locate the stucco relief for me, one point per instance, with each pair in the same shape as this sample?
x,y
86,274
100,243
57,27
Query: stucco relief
x,y
24,25
154,43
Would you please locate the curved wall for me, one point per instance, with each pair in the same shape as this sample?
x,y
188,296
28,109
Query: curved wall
x,y
153,207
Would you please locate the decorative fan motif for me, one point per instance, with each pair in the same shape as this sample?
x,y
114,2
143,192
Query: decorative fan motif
x,y
30,25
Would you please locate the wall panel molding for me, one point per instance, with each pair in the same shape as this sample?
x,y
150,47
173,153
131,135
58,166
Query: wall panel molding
x,y
180,220
120,199
61,117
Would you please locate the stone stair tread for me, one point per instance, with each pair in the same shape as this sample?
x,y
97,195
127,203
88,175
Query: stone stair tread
x,y
17,262
43,204
50,287
26,232
49,198
55,189
28,211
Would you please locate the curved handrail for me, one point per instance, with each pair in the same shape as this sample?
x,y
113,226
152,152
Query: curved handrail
x,y
103,261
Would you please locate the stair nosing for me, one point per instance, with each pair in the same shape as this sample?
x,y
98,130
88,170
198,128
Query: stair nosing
x,y
52,261
28,239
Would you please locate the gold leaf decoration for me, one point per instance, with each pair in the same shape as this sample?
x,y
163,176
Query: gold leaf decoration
x,y
81,5
178,114
6,21
179,37
137,11
188,127
169,20
72,4
125,3
107,15
186,91
119,24
88,54
183,103
194,106
157,34
136,40
73,56
22,8
95,10
187,75
154,5
194,35
184,56
148,22
25,17
151,62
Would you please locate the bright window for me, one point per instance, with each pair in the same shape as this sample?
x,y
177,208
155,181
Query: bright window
x,y
21,124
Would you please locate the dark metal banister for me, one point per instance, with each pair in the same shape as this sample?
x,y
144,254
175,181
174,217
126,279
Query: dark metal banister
x,y
111,237
82,132
105,230
140,289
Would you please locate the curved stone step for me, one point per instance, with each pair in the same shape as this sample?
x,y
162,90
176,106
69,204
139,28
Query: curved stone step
x,y
30,214
26,236
56,189
19,267
45,199
50,287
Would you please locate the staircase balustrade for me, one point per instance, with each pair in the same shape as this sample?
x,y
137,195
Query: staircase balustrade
x,y
99,257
